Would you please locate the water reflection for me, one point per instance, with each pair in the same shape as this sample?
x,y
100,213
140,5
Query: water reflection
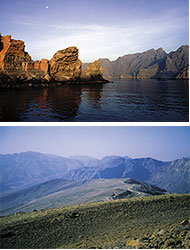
x,y
144,100
94,92
65,101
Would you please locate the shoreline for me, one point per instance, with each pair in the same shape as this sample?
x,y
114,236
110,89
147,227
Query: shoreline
x,y
43,84
49,84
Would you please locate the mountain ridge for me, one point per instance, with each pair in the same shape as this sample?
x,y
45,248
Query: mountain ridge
x,y
22,170
150,64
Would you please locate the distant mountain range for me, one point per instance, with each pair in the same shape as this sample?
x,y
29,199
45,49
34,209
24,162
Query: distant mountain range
x,y
149,64
23,170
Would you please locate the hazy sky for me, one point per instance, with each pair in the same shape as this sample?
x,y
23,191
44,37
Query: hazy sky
x,y
99,28
165,143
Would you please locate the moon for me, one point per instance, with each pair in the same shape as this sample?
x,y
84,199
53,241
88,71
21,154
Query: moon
x,y
47,7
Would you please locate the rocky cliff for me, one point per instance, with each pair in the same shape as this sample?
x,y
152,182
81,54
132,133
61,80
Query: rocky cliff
x,y
14,61
149,64
18,69
183,74
93,72
65,65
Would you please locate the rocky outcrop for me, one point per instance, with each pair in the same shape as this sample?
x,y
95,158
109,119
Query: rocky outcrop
x,y
149,64
14,61
93,72
42,65
65,65
17,67
177,236
183,74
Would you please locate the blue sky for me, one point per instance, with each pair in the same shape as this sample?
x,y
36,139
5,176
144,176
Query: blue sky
x,y
99,28
164,143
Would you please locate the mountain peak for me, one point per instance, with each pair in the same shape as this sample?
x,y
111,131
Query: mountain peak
x,y
112,157
160,51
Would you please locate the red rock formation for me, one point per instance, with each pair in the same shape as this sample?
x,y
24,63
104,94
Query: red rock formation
x,y
16,66
93,72
42,65
14,61
36,64
5,43
65,65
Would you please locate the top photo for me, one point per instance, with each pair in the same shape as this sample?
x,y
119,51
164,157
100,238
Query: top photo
x,y
94,61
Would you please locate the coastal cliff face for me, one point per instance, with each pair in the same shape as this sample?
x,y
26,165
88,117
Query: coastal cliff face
x,y
17,67
149,64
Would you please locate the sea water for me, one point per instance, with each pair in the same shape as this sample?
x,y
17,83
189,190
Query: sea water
x,y
117,101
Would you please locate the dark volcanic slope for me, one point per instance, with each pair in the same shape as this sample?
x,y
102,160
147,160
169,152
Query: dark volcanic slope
x,y
148,222
149,64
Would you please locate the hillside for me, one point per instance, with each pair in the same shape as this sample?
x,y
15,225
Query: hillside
x,y
58,193
149,64
148,222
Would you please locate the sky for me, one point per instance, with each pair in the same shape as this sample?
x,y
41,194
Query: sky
x,y
99,28
159,142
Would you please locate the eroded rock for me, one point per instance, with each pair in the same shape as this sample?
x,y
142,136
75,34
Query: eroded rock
x,y
14,61
93,72
65,65
183,74
17,67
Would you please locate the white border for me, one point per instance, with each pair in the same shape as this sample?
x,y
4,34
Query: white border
x,y
92,124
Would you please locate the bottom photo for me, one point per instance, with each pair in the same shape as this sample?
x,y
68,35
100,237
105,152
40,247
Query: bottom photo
x,y
107,187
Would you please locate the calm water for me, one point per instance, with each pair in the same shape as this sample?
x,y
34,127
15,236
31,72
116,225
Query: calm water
x,y
123,100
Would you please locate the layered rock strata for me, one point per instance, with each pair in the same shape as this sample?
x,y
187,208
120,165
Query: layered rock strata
x,y
17,67
183,74
14,61
65,65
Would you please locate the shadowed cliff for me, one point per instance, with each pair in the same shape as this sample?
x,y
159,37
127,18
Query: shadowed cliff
x,y
149,64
